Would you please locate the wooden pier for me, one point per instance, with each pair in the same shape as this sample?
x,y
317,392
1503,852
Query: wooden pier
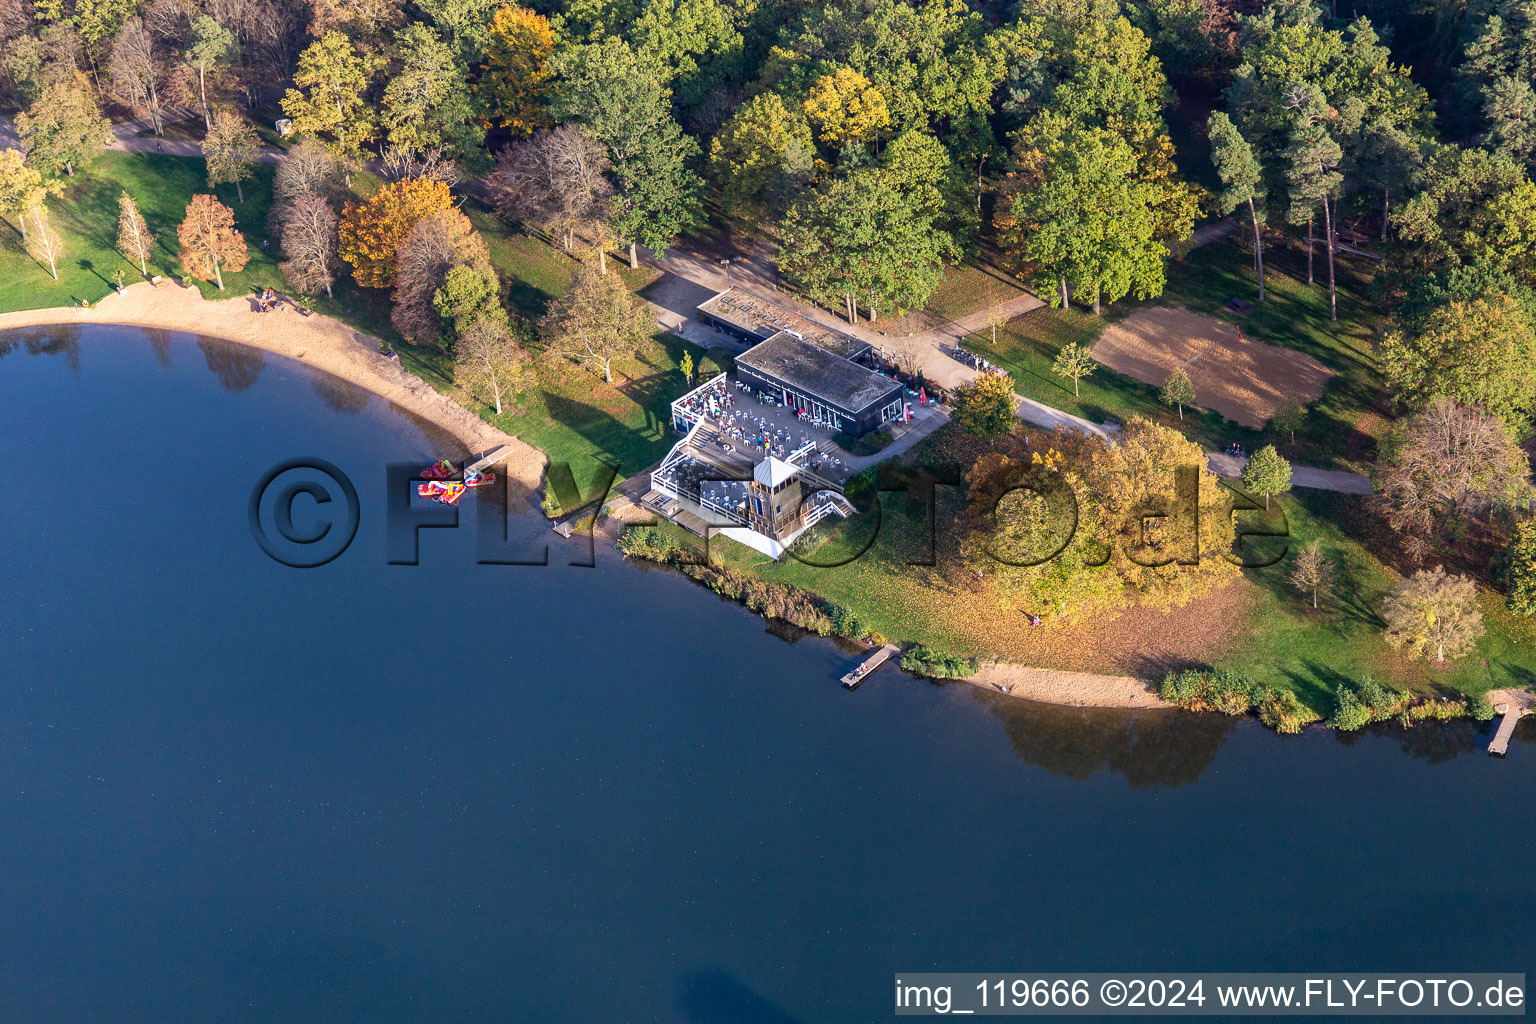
x,y
1512,704
869,664
488,460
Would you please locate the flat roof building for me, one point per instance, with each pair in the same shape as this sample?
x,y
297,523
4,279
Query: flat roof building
x,y
754,318
810,366
834,391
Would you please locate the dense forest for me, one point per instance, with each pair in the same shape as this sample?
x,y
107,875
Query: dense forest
x,y
879,140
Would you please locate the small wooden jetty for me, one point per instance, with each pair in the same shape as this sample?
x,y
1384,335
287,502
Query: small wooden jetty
x,y
869,664
1512,704
489,459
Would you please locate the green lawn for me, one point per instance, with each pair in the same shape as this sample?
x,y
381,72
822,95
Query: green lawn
x,y
1339,429
1311,652
86,217
572,415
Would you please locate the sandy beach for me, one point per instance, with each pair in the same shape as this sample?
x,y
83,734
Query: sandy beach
x,y
319,341
1078,689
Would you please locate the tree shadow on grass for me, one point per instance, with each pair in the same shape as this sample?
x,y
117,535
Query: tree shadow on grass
x,y
1316,684
614,441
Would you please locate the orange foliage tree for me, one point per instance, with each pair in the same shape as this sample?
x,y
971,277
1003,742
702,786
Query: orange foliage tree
x,y
372,231
209,242
515,81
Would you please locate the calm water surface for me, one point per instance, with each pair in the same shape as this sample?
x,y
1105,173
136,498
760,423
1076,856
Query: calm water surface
x,y
238,791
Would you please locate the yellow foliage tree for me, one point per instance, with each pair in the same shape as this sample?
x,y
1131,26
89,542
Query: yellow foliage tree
x,y
845,108
515,81
372,231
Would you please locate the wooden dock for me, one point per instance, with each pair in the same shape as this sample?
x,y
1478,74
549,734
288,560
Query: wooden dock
x,y
1500,744
490,459
1512,704
868,665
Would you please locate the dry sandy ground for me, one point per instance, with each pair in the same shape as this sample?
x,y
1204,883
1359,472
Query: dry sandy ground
x,y
1079,689
315,340
1239,377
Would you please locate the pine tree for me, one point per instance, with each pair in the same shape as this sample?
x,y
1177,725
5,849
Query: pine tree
x,y
1241,179
1313,157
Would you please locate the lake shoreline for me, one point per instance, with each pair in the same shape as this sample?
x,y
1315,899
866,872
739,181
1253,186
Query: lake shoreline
x,y
315,340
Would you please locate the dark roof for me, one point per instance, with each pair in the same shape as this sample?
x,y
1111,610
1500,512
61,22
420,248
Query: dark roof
x,y
758,316
817,372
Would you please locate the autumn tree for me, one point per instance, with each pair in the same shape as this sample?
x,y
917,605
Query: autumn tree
x,y
330,95
862,239
1432,613
597,321
1312,571
307,232
846,109
64,127
133,236
1480,352
1242,181
1519,568
230,149
44,243
1074,362
1267,472
615,97
1445,469
489,364
436,244
22,187
426,103
514,83
1074,211
209,241
1178,390
984,406
373,230
554,180
308,168
470,292
136,70
211,43
1082,525
763,149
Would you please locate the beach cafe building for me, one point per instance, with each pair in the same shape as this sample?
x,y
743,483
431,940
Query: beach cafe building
x,y
810,366
833,392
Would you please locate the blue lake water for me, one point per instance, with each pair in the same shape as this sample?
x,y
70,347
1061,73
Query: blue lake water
x,y
235,790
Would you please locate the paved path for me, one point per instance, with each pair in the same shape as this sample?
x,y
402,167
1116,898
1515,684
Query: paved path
x,y
126,138
1229,466
1221,464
